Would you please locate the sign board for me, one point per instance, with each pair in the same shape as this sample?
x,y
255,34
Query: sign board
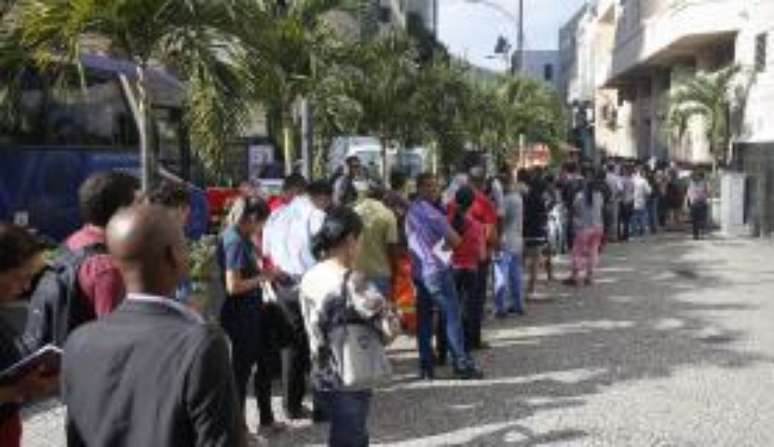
x,y
258,157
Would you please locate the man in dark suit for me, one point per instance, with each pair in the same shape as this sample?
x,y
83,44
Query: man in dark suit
x,y
151,373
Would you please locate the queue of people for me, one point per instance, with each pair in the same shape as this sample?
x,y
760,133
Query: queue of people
x,y
142,366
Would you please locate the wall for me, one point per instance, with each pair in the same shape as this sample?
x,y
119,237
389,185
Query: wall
x,y
535,62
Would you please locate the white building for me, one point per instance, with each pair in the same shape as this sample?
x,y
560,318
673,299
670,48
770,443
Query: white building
x,y
642,50
540,65
381,15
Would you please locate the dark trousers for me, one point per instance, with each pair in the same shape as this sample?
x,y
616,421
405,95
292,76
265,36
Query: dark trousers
x,y
349,418
295,359
244,323
478,302
625,221
699,219
471,304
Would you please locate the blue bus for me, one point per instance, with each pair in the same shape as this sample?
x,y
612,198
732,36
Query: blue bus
x,y
61,137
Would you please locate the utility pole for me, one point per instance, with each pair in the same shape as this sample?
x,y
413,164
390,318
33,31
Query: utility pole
x,y
520,43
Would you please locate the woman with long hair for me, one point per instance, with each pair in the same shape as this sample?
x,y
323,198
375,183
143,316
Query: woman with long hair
x,y
19,262
243,314
330,294
589,224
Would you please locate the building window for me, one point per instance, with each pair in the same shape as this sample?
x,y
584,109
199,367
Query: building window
x,y
548,72
761,50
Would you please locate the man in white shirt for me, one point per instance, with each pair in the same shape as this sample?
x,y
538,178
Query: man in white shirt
x,y
627,204
287,241
508,271
642,191
615,186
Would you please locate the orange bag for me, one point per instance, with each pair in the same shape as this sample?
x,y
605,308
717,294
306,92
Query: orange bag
x,y
404,295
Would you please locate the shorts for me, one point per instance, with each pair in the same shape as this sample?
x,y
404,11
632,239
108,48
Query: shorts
x,y
534,248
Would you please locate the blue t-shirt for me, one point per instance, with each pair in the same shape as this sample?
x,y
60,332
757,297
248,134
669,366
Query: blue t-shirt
x,y
237,253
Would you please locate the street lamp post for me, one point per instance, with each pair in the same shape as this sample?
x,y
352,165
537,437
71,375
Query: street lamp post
x,y
519,25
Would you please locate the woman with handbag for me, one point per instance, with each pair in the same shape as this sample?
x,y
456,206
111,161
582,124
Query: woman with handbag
x,y
339,307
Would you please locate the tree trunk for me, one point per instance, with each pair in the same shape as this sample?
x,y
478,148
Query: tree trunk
x,y
139,106
287,138
385,169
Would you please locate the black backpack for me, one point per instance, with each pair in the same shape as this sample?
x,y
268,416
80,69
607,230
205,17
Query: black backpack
x,y
57,305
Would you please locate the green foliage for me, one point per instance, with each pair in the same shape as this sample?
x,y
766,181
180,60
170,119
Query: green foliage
x,y
194,37
706,95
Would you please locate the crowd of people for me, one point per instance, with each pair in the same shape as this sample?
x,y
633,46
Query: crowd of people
x,y
141,366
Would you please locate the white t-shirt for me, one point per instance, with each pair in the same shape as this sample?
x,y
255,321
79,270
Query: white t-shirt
x,y
642,190
512,239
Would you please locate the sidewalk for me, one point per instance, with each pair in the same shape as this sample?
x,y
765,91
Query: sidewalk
x,y
673,346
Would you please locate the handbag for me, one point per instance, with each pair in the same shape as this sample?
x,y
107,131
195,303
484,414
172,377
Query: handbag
x,y
359,355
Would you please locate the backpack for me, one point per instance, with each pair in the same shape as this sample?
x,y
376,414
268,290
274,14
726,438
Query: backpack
x,y
57,306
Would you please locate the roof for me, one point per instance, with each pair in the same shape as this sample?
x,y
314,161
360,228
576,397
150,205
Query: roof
x,y
164,88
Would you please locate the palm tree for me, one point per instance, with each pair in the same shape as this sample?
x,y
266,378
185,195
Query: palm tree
x,y
533,110
706,95
287,59
385,85
444,98
195,37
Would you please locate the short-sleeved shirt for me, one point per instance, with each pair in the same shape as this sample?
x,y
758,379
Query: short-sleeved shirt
x,y
99,279
426,227
237,253
482,211
468,254
380,230
512,239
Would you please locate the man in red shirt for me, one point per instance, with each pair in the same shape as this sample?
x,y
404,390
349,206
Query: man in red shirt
x,y
466,259
99,198
483,211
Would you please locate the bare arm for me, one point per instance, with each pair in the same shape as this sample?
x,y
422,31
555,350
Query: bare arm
x,y
237,285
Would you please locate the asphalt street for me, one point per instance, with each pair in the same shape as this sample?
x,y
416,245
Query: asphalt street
x,y
673,346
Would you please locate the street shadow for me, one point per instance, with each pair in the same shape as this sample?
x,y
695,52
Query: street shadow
x,y
648,316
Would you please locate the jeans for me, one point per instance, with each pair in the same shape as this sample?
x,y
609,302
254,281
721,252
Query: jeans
x,y
349,418
624,221
471,303
699,213
439,288
611,228
639,221
508,282
653,212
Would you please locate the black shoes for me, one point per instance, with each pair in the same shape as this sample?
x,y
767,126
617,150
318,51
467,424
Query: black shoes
x,y
470,373
426,375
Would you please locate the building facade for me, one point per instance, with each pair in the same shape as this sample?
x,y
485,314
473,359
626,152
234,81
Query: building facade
x,y
642,51
541,65
380,15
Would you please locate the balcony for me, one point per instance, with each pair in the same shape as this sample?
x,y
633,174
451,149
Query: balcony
x,y
675,32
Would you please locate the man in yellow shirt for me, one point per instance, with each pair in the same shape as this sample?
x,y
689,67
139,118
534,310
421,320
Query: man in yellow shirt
x,y
380,243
